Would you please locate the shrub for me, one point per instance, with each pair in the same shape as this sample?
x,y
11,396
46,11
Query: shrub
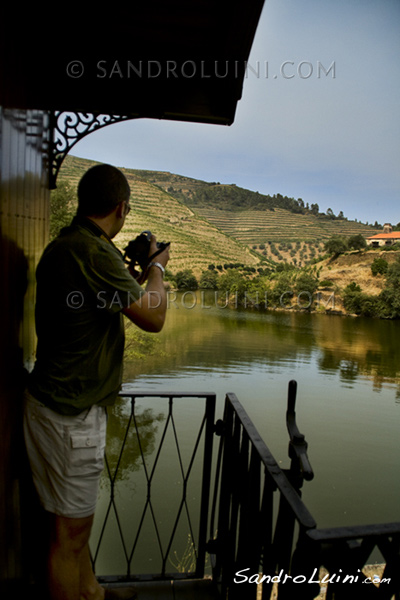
x,y
352,287
379,266
326,283
361,304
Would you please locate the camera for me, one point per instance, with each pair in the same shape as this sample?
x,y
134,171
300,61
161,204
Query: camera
x,y
137,251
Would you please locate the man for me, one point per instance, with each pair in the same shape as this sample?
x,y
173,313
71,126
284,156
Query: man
x,y
83,290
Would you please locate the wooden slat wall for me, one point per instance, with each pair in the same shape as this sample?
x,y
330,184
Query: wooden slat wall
x,y
24,222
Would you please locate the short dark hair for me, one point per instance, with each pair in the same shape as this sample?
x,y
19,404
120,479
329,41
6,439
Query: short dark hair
x,y
101,189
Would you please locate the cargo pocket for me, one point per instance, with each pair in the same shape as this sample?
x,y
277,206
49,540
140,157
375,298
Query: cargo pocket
x,y
85,456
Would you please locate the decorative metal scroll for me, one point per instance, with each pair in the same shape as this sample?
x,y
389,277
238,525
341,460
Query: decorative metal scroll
x,y
68,128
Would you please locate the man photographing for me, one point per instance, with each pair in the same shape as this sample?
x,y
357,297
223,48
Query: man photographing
x,y
78,370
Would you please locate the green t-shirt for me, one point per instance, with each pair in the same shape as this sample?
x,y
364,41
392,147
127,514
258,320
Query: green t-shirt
x,y
82,286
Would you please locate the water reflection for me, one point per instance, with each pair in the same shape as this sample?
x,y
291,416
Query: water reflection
x,y
223,338
123,434
348,372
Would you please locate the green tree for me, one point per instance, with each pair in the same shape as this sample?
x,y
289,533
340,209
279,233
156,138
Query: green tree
x,y
357,242
282,290
186,280
330,213
306,282
209,280
256,290
233,282
335,245
389,298
63,205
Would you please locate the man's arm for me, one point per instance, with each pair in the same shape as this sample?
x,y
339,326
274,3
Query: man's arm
x,y
149,311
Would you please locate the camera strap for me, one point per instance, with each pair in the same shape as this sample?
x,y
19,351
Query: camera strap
x,y
156,253
91,226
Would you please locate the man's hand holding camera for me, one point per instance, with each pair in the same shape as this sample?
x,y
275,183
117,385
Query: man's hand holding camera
x,y
159,259
146,252
152,257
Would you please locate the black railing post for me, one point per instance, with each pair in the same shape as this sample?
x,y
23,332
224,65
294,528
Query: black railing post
x,y
300,468
206,483
245,525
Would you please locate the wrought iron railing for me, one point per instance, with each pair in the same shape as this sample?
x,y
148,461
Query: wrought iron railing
x,y
251,522
266,536
201,446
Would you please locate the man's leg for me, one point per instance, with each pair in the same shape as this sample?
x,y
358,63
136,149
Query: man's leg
x,y
70,574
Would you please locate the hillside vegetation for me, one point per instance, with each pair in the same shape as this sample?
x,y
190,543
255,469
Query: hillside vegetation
x,y
253,217
214,223
221,248
194,242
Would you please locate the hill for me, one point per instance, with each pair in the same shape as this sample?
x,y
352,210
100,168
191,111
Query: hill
x,y
195,243
210,223
253,217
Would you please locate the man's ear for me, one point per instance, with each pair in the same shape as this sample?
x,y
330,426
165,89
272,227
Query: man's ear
x,y
120,210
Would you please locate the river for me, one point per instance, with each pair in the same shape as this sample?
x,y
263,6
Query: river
x,y
348,399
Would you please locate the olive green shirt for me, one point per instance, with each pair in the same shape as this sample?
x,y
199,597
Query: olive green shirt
x,y
82,286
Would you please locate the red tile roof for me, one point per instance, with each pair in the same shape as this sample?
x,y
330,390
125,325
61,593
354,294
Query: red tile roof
x,y
395,235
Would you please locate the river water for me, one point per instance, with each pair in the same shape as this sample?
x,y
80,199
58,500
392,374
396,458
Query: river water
x,y
348,398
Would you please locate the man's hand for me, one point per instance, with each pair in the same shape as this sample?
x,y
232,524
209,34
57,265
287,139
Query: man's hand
x,y
162,258
149,311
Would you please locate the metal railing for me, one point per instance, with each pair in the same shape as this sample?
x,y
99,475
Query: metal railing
x,y
265,534
252,522
201,445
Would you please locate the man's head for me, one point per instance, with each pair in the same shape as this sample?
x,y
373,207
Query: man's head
x,y
101,189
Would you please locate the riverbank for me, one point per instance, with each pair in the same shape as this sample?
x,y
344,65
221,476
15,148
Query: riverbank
x,y
347,285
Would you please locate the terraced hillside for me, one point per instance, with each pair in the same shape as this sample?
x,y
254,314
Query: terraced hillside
x,y
251,217
213,223
195,243
278,225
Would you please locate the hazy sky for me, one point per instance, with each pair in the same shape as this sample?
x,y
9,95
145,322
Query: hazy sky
x,y
319,117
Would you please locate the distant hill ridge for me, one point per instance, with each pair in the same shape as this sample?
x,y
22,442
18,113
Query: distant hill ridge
x,y
222,223
252,217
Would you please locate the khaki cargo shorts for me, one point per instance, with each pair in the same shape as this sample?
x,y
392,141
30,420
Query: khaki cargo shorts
x,y
66,456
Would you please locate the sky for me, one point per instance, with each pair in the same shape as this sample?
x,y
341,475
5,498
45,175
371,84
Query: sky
x,y
319,117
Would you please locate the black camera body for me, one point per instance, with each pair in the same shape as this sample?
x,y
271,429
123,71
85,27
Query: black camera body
x,y
137,251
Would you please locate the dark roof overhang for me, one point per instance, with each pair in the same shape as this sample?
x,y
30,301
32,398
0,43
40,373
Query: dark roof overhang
x,y
182,60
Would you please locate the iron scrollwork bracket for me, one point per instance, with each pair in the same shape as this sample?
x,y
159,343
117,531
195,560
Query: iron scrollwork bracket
x,y
68,128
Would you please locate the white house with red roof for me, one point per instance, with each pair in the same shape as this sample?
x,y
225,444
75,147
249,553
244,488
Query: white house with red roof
x,y
386,238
